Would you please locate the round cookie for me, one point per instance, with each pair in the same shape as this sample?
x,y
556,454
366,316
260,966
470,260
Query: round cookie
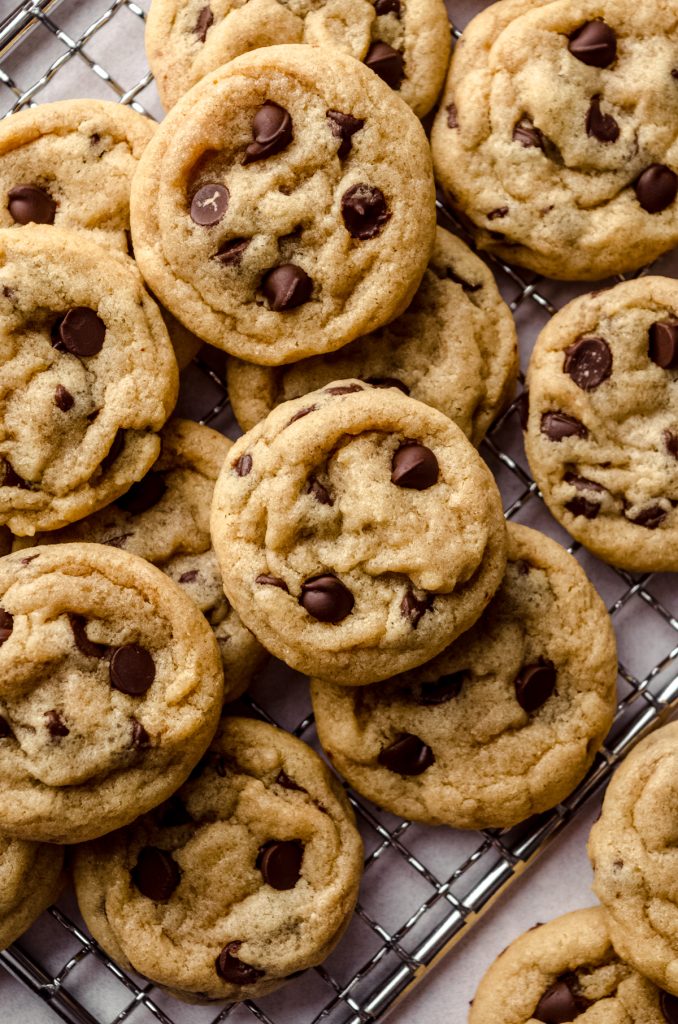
x,y
271,213
110,690
357,531
555,137
602,427
31,877
70,164
634,851
407,44
454,348
567,970
248,876
87,377
165,519
503,723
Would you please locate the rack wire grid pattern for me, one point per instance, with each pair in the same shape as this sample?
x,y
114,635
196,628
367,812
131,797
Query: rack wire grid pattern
x,y
456,896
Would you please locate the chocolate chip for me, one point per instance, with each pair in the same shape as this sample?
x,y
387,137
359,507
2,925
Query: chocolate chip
x,y
233,970
326,598
594,43
204,22
231,252
27,561
143,495
132,670
523,406
452,116
320,493
119,540
588,362
344,126
116,448
413,607
63,398
140,738
414,466
442,690
601,126
271,581
81,332
243,466
86,646
387,7
407,755
581,505
280,863
29,204
209,204
300,414
271,131
6,623
56,726
156,874
668,1004
534,684
344,389
5,730
656,188
189,577
388,382
663,348
560,1004
497,214
557,425
283,779
671,442
286,287
527,135
364,210
387,63
650,518
10,478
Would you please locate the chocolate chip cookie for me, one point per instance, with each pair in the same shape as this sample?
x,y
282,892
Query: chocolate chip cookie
x,y
567,970
110,690
245,877
555,136
31,877
87,377
454,349
273,213
358,532
634,851
602,426
165,519
503,723
407,44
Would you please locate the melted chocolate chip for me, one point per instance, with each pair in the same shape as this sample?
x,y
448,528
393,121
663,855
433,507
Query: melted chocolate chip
x,y
300,414
344,126
189,576
656,188
594,43
271,581
132,670
283,779
271,132
407,755
599,125
143,495
560,1003
344,389
5,730
580,506
280,863
233,970
534,684
116,448
29,204
663,349
56,726
6,623
671,442
650,517
209,204
388,382
364,210
81,332
10,478
204,23
414,466
528,135
387,63
63,399
443,689
86,646
231,252
140,738
155,874
497,214
668,1005
326,598
588,362
557,425
320,493
452,116
387,7
244,465
286,287
413,607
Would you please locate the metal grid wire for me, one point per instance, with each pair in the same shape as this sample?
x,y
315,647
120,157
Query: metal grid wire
x,y
458,896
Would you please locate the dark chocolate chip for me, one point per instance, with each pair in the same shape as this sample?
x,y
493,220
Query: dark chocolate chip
x,y
560,1004
557,425
231,252
594,43
209,204
344,389
233,970
663,348
116,448
387,7
671,442
528,135
581,506
189,576
344,126
387,63
31,558
56,726
143,495
668,1004
156,874
497,214
674,72
271,581
81,332
271,132
283,779
286,287
534,684
86,646
244,465
413,607
364,210
6,623
414,466
300,414
388,382
10,478
656,188
523,406
280,863
132,670
650,518
452,116
326,598
320,493
204,23
5,730
443,689
408,755
29,204
63,399
588,362
601,126
140,738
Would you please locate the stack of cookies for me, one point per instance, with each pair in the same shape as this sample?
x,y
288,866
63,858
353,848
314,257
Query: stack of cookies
x,y
462,672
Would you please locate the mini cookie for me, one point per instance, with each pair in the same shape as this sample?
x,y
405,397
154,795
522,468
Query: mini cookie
x,y
555,136
357,531
244,878
602,428
271,212
31,877
567,970
71,164
87,377
454,349
165,519
110,690
505,722
406,43
634,852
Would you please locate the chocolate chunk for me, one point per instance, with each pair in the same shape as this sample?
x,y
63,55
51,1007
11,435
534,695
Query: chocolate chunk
x,y
588,362
387,7
594,43
231,252
387,63
190,576
534,684
233,970
671,442
442,690
116,448
320,493
523,406
143,495
527,135
29,204
81,332
204,23
283,779
560,1003
601,126
326,598
413,607
56,726
132,670
5,729
10,478
497,214
407,755
650,517
557,425
300,414
86,646
452,116
663,349
388,382
271,131
280,863
286,287
344,126
140,738
414,466
6,623
209,204
244,465
581,505
364,210
272,581
656,188
156,874
668,1004
63,399
344,389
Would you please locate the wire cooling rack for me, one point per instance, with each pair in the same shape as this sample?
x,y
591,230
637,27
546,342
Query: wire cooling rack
x,y
444,880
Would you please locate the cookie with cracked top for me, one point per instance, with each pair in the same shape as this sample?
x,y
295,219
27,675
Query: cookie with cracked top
x,y
602,423
31,877
555,134
358,532
258,226
246,876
